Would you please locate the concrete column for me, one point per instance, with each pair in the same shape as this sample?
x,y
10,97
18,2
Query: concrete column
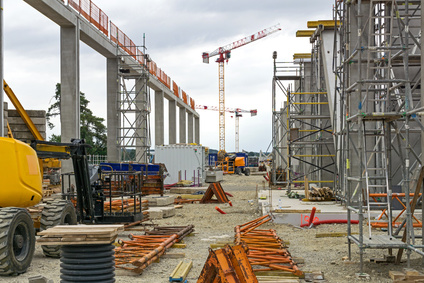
x,y
69,77
190,127
172,110
183,125
112,120
159,123
197,129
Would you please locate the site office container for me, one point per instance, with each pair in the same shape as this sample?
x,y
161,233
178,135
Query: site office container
x,y
185,161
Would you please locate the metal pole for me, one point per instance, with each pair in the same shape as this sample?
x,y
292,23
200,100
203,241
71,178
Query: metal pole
x,y
1,72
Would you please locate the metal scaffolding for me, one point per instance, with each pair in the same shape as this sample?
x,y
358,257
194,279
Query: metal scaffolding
x,y
378,81
133,103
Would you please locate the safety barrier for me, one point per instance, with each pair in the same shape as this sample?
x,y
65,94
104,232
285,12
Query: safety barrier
x,y
91,12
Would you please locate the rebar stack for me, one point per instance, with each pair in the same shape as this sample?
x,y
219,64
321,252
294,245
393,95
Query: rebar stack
x,y
266,249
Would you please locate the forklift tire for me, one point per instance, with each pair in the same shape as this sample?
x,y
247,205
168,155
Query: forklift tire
x,y
17,241
57,212
247,171
238,171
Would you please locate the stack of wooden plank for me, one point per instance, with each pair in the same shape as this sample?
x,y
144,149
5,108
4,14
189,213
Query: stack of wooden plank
x,y
324,193
79,234
316,193
407,275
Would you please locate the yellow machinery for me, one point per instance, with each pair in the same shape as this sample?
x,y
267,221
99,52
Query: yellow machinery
x,y
234,165
46,164
20,174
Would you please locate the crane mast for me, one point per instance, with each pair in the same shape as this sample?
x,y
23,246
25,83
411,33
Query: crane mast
x,y
224,53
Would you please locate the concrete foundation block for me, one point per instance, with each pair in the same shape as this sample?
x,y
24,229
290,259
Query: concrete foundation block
x,y
155,213
157,200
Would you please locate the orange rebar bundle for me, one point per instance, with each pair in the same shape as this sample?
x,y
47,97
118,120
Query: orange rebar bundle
x,y
125,205
141,251
266,249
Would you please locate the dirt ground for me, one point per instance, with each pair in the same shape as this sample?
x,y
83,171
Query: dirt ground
x,y
319,254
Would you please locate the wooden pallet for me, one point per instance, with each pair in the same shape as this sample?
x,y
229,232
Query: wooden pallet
x,y
79,234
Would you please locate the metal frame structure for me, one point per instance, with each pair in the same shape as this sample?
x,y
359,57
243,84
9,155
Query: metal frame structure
x,y
133,103
378,76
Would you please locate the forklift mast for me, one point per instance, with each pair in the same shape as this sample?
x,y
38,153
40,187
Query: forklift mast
x,y
77,150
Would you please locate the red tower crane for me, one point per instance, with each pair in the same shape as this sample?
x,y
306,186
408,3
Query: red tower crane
x,y
238,113
224,53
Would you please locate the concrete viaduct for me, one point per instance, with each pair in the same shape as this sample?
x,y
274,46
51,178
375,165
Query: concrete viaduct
x,y
75,27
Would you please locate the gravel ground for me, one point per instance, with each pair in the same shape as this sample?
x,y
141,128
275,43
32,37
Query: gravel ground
x,y
319,254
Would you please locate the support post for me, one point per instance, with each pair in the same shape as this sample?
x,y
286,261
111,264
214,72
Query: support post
x,y
183,125
190,127
70,92
172,110
197,129
159,116
112,89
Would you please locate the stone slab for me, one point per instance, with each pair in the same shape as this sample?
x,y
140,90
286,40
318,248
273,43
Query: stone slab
x,y
157,200
214,176
155,213
161,212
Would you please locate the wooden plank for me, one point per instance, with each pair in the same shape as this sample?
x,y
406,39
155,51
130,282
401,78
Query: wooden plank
x,y
397,275
306,184
75,243
179,246
181,271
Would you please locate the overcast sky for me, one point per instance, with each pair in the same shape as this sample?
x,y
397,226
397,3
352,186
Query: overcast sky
x,y
177,32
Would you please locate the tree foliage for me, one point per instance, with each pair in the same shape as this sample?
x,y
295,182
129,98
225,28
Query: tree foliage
x,y
92,128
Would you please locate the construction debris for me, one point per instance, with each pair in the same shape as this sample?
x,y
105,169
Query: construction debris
x,y
407,275
141,251
266,249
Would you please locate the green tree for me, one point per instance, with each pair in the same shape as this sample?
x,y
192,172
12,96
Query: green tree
x,y
92,128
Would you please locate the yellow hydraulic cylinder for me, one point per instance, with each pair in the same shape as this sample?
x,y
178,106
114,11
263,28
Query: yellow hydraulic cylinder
x,y
21,181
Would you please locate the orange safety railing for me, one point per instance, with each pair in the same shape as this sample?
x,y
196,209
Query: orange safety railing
x,y
92,13
184,96
175,89
395,197
100,20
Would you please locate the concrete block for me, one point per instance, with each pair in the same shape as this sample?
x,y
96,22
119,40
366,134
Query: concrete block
x,y
157,200
168,211
187,190
214,176
155,213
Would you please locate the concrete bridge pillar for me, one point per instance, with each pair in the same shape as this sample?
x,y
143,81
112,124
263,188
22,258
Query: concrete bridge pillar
x,y
172,110
197,130
69,78
112,120
183,125
159,118
190,138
